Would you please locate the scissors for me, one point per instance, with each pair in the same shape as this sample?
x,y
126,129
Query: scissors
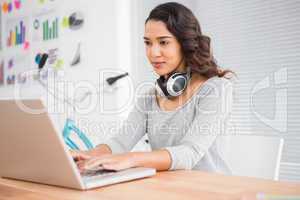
x,y
71,127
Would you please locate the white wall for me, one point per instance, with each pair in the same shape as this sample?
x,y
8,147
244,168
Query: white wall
x,y
259,40
100,48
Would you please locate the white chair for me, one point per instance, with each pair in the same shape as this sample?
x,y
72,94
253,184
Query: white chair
x,y
254,156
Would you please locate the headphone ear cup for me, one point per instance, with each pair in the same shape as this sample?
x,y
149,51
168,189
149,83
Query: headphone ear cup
x,y
176,84
161,87
173,86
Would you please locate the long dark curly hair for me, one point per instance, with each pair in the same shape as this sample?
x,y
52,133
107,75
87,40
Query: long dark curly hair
x,y
182,23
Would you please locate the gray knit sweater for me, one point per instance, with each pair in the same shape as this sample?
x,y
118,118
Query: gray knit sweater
x,y
191,133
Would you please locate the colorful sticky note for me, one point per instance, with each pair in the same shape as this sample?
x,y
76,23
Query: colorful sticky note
x,y
59,63
65,22
10,7
17,4
26,45
5,7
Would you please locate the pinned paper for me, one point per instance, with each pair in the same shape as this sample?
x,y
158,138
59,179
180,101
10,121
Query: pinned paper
x,y
16,32
74,21
46,27
15,67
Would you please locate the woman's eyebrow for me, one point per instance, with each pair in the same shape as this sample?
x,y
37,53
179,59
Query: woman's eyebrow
x,y
164,37
160,37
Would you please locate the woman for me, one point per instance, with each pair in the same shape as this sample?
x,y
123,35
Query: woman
x,y
184,115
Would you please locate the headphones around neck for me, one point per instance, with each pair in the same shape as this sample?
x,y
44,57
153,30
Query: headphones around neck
x,y
174,85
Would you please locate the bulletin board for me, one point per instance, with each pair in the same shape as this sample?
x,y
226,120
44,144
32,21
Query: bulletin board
x,y
80,38
29,29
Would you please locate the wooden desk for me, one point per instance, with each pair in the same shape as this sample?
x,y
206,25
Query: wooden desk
x,y
179,185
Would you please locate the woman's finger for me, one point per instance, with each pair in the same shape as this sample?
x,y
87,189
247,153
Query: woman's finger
x,y
83,156
79,155
95,163
80,164
113,166
73,153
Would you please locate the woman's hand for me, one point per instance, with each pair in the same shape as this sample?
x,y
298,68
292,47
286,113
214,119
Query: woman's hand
x,y
84,155
158,159
80,155
110,162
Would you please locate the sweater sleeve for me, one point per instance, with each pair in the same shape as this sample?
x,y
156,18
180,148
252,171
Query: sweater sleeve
x,y
212,113
132,129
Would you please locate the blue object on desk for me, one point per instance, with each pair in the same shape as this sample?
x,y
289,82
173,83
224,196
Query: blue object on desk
x,y
68,129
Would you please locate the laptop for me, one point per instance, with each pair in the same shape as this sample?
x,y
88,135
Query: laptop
x,y
32,149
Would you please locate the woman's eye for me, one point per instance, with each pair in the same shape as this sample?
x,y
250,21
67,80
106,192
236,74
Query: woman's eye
x,y
164,43
147,43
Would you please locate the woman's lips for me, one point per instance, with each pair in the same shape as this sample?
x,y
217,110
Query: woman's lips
x,y
157,64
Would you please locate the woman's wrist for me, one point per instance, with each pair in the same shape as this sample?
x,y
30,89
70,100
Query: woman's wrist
x,y
135,158
159,159
100,150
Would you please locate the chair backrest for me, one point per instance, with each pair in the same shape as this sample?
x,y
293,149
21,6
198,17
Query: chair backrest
x,y
254,156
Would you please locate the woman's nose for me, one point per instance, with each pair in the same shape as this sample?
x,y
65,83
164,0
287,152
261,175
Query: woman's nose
x,y
155,51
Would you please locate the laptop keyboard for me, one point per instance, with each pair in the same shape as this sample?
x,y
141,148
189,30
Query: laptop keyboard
x,y
94,173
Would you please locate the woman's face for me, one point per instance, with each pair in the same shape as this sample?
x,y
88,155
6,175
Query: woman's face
x,y
162,48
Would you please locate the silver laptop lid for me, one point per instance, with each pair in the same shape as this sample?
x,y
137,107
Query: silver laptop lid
x,y
32,148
